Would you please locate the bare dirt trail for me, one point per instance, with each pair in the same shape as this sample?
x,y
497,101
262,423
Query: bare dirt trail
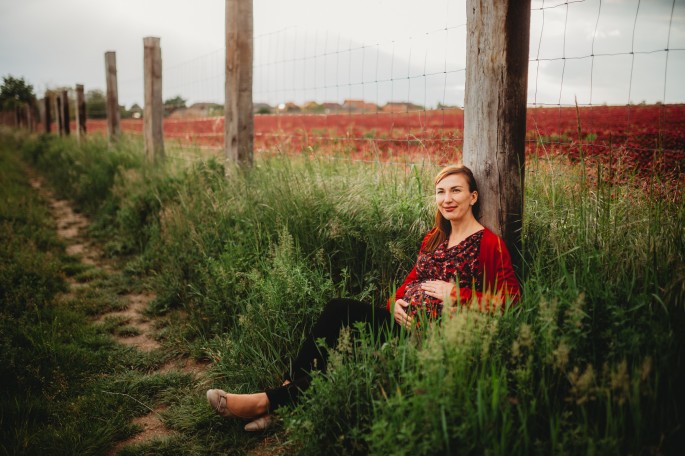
x,y
72,229
135,317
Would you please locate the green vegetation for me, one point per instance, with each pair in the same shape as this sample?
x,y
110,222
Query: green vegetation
x,y
15,92
96,104
172,104
67,388
242,261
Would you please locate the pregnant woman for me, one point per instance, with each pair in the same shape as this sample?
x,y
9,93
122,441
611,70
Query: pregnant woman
x,y
460,263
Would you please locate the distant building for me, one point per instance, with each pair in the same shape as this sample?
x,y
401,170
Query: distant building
x,y
313,107
288,107
401,107
331,108
358,106
198,110
136,111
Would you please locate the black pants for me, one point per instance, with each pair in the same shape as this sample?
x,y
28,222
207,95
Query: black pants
x,y
337,314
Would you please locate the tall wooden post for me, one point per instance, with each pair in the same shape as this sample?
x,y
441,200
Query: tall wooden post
x,y
80,112
498,33
154,110
28,108
238,116
47,114
113,119
59,114
65,112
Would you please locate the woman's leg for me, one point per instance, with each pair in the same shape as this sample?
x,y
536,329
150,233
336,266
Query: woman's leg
x,y
246,406
337,314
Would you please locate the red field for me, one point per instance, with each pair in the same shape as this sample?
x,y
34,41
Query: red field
x,y
646,139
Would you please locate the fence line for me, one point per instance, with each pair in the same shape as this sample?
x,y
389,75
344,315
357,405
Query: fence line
x,y
407,91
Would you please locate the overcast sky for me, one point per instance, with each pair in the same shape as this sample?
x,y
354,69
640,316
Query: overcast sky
x,y
378,50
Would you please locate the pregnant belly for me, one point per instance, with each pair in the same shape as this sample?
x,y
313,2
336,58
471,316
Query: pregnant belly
x,y
421,303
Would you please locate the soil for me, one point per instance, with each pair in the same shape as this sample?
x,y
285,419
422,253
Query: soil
x,y
135,316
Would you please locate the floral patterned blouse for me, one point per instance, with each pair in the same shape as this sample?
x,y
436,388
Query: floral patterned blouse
x,y
457,264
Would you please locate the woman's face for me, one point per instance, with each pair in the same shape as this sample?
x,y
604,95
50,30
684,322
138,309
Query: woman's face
x,y
453,197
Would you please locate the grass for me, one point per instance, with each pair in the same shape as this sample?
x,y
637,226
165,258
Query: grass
x,y
67,388
242,261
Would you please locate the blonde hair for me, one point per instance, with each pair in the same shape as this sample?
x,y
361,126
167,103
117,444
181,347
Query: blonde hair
x,y
442,227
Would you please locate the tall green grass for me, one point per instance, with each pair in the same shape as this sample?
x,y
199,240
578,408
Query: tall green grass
x,y
589,362
66,387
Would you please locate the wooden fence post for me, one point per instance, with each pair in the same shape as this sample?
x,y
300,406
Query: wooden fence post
x,y
59,114
153,112
28,108
238,115
498,33
47,115
113,119
65,112
80,112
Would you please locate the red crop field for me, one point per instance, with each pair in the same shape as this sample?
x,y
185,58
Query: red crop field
x,y
643,139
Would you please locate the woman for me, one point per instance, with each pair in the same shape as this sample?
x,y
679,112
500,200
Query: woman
x,y
460,263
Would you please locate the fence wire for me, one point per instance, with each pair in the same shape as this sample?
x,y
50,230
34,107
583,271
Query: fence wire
x,y
604,80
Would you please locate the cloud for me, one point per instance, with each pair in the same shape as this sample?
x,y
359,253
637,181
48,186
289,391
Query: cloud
x,y
353,44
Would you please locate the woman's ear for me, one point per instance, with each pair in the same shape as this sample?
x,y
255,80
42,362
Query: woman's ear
x,y
474,198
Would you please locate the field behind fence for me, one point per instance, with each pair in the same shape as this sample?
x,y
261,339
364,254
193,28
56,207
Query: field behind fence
x,y
643,139
598,88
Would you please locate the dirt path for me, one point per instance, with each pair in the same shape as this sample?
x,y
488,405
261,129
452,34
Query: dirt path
x,y
72,229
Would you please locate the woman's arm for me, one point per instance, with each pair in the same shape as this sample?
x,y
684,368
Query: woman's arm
x,y
500,285
399,294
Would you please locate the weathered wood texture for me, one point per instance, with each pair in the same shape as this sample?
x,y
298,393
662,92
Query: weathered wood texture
x,y
153,112
113,118
28,108
498,34
239,119
80,112
59,114
65,112
47,114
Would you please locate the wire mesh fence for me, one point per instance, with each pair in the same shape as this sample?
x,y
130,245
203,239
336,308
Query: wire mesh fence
x,y
604,84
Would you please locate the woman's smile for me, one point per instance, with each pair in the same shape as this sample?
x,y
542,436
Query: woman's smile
x,y
453,197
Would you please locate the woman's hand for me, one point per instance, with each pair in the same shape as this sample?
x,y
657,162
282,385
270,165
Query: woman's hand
x,y
400,314
439,289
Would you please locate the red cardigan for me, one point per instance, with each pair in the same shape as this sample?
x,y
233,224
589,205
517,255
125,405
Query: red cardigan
x,y
499,280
